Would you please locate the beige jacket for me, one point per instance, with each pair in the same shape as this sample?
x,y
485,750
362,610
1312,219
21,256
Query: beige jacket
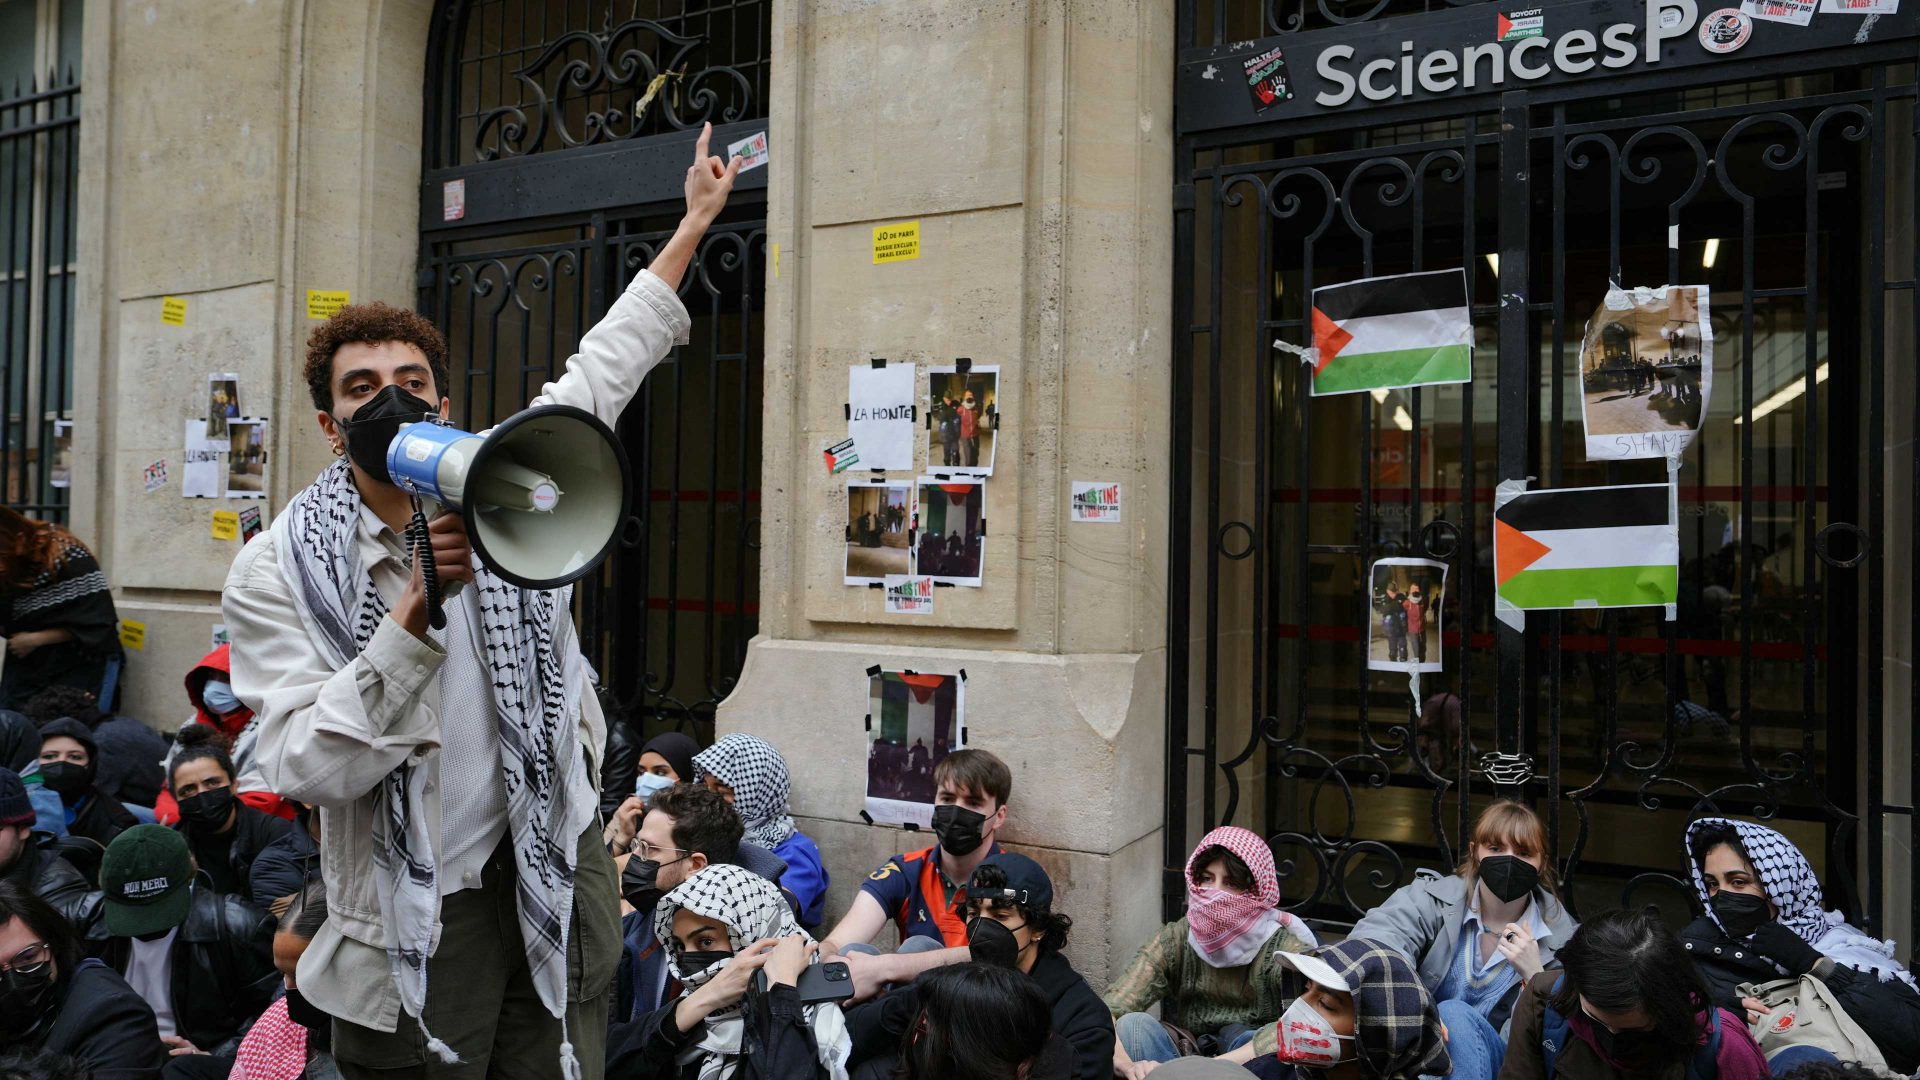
x,y
330,737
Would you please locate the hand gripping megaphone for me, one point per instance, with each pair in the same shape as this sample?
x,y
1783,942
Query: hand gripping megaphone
x,y
543,494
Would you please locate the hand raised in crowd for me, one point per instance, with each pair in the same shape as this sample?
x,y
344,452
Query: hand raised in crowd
x,y
726,989
1521,950
789,959
625,825
709,181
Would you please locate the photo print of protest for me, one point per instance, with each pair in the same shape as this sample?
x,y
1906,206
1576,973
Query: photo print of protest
x,y
246,459
1646,371
952,531
964,412
223,402
913,720
879,513
1404,598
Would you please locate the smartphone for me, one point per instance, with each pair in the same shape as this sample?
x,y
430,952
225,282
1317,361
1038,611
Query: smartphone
x,y
822,983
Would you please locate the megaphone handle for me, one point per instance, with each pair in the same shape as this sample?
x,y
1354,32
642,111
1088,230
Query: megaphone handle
x,y
421,545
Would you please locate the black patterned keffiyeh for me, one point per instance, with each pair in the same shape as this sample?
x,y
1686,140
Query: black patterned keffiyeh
x,y
535,700
758,776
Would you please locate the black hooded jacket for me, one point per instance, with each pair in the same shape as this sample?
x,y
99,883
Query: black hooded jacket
x,y
51,878
102,1024
101,817
223,973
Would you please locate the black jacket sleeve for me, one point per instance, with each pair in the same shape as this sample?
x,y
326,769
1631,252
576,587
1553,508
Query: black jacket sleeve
x,y
647,1046
107,1028
1889,1012
788,1051
877,1026
619,765
280,869
1087,1023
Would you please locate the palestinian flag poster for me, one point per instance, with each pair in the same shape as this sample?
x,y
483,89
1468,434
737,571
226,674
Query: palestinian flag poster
x,y
1597,547
1388,332
914,719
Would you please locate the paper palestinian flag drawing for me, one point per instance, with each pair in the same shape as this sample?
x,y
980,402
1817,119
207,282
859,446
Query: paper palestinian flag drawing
x,y
1585,548
1386,332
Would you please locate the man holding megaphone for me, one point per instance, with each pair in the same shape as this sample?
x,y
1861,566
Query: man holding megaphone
x,y
472,920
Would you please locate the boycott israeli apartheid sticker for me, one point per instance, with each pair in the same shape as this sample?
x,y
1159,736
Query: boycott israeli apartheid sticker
x,y
1517,25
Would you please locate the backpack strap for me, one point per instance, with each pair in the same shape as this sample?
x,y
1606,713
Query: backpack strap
x,y
1554,1031
1705,1064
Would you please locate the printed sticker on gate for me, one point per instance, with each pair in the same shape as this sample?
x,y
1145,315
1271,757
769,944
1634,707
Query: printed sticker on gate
x,y
1519,25
1267,79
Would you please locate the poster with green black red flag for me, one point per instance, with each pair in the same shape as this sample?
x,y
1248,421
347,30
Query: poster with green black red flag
x,y
1596,547
1383,333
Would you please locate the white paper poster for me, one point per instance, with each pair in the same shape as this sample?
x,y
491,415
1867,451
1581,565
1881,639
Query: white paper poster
x,y
1646,372
200,474
1861,7
1796,12
914,719
1096,500
880,415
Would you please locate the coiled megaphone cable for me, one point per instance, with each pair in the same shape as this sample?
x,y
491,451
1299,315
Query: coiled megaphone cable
x,y
421,545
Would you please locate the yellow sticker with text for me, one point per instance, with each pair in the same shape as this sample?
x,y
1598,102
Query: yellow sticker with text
x,y
173,310
133,634
896,243
776,258
226,525
323,303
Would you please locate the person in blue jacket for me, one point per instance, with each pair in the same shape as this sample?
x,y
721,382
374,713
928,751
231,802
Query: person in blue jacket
x,y
751,775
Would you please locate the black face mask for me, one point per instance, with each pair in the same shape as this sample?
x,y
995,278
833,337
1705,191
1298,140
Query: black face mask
x,y
693,963
1635,1050
207,810
69,780
992,943
1740,913
25,999
640,882
958,828
306,1013
1508,877
375,424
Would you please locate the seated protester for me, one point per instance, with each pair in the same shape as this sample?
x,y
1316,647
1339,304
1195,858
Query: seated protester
x,y
720,926
130,751
1213,971
287,866
752,776
1766,920
688,829
52,999
1361,1013
975,1022
224,833
923,891
1479,934
27,864
1629,1003
665,760
210,690
202,960
68,762
1011,922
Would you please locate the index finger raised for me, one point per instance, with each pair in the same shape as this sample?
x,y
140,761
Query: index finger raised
x,y
700,146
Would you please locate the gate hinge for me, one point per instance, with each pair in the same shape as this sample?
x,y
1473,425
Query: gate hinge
x,y
1183,196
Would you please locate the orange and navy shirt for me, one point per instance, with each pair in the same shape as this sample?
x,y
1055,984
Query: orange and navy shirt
x,y
916,894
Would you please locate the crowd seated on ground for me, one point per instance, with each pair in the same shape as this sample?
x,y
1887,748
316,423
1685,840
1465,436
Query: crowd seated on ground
x,y
138,951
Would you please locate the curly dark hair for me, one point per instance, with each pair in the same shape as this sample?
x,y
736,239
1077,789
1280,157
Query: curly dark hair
x,y
63,703
1237,873
371,324
1053,926
197,741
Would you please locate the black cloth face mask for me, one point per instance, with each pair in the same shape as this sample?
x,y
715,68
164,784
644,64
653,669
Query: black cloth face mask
x,y
306,1013
992,943
640,882
207,810
1740,913
958,828
693,963
1508,877
25,999
70,781
375,424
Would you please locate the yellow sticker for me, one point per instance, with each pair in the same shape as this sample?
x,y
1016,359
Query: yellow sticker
x,y
776,258
133,634
173,310
896,243
226,525
322,303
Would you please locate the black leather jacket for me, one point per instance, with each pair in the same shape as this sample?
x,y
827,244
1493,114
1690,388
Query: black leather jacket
x,y
619,765
223,973
53,879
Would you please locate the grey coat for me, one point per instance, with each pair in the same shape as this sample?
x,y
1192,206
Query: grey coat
x,y
1421,921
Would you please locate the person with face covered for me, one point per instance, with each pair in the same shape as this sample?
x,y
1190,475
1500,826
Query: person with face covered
x,y
1477,935
752,776
664,761
130,751
478,925
1011,923
1766,919
1629,1003
1214,972
53,999
720,927
1361,1013
224,834
68,760
209,686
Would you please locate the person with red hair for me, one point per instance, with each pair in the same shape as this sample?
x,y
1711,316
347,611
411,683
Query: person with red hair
x,y
59,619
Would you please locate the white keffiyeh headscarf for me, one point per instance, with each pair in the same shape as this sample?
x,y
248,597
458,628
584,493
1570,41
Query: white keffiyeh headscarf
x,y
758,776
1789,882
751,908
535,699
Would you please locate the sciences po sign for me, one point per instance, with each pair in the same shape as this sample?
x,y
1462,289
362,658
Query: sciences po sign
x,y
1487,48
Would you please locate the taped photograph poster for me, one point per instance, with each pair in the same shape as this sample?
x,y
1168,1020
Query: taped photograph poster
x,y
246,459
879,513
1646,372
223,402
952,526
963,419
880,414
1385,333
913,720
1599,547
1403,624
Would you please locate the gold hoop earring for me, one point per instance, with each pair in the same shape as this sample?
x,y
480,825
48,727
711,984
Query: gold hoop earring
x,y
338,450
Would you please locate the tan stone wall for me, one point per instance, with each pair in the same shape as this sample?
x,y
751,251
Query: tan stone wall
x,y
292,163
1031,140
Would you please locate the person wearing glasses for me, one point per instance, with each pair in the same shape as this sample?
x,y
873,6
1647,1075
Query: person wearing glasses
x,y
52,1000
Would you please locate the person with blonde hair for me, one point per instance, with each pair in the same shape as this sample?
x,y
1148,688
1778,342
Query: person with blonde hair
x,y
1476,936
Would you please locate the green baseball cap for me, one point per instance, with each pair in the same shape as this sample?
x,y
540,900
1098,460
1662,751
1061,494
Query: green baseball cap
x,y
145,878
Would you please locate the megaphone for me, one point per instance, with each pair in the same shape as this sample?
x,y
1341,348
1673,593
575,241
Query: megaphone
x,y
543,494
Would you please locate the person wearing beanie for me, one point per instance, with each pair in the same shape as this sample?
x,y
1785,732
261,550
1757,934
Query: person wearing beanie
x,y
25,862
69,765
203,960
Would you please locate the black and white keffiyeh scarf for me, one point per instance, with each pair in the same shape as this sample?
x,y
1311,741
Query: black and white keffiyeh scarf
x,y
1790,884
758,776
535,702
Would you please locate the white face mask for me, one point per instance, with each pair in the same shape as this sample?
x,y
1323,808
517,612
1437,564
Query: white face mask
x,y
1307,1039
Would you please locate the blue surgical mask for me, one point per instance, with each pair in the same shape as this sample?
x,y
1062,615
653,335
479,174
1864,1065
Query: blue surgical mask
x,y
647,785
219,697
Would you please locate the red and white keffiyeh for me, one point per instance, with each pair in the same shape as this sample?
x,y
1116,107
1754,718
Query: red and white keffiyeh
x,y
274,1049
1228,929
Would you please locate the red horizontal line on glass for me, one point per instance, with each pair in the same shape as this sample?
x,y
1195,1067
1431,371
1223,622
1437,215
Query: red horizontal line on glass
x,y
1762,650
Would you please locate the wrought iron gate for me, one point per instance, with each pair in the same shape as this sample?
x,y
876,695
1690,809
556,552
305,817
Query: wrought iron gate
x,y
558,136
1772,180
